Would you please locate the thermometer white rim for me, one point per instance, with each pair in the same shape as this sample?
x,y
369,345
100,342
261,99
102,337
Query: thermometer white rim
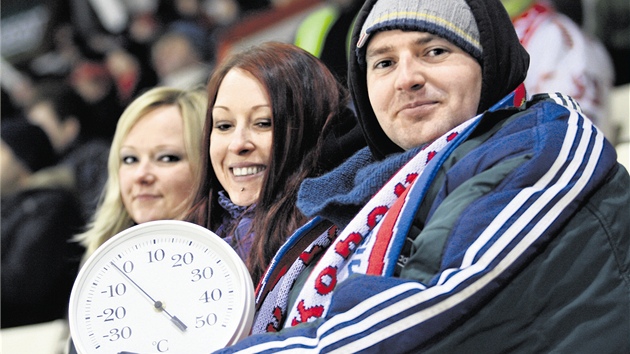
x,y
173,228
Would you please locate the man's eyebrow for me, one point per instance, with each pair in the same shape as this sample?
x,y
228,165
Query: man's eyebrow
x,y
378,51
427,38
421,40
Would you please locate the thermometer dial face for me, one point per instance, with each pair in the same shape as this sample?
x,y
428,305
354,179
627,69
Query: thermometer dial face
x,y
161,287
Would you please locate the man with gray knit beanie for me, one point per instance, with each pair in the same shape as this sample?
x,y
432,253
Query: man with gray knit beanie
x,y
477,220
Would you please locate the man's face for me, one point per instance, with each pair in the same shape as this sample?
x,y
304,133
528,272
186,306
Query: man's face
x,y
420,85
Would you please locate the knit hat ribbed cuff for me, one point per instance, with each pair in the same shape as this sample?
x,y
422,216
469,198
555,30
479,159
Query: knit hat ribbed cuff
x,y
450,19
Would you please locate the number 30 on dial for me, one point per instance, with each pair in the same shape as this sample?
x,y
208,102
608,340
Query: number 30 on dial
x,y
161,287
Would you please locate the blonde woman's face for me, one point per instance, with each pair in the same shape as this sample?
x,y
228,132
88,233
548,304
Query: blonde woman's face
x,y
155,172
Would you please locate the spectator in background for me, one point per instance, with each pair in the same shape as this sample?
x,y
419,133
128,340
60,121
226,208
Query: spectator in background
x,y
143,30
39,217
212,13
61,113
18,89
608,20
564,58
129,75
180,56
64,53
93,82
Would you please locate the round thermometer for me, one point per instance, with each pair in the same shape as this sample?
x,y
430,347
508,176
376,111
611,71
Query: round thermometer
x,y
161,287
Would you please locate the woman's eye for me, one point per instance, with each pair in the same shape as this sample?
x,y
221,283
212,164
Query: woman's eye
x,y
222,126
263,123
169,158
127,160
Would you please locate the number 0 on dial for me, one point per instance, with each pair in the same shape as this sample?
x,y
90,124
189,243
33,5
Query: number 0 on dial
x,y
161,287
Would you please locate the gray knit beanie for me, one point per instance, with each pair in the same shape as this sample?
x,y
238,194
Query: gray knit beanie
x,y
450,19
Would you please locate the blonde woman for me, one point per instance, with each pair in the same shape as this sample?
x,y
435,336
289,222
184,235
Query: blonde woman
x,y
153,161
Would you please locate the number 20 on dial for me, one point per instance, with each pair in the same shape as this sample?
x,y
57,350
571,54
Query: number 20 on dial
x,y
161,287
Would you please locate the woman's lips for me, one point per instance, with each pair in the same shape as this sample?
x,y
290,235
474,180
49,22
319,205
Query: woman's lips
x,y
146,197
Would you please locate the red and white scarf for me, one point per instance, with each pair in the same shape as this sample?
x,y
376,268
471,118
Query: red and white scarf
x,y
370,244
372,229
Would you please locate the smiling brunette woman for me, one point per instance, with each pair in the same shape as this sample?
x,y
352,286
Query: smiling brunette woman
x,y
267,108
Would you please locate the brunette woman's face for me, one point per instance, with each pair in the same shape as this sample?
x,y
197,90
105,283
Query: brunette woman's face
x,y
241,138
156,176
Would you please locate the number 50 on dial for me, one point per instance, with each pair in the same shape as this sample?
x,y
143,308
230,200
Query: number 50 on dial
x,y
161,287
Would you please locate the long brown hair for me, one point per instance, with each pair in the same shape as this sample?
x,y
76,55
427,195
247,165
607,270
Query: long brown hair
x,y
305,99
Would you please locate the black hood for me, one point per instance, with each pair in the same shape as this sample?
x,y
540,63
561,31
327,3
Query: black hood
x,y
504,66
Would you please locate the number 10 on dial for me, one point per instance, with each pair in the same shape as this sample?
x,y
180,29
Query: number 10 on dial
x,y
161,287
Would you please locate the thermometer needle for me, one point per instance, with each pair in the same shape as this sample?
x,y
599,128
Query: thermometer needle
x,y
157,304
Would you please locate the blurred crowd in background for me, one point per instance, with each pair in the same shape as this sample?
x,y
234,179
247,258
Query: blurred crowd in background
x,y
108,51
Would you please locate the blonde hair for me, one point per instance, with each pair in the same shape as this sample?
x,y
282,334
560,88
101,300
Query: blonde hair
x,y
111,216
